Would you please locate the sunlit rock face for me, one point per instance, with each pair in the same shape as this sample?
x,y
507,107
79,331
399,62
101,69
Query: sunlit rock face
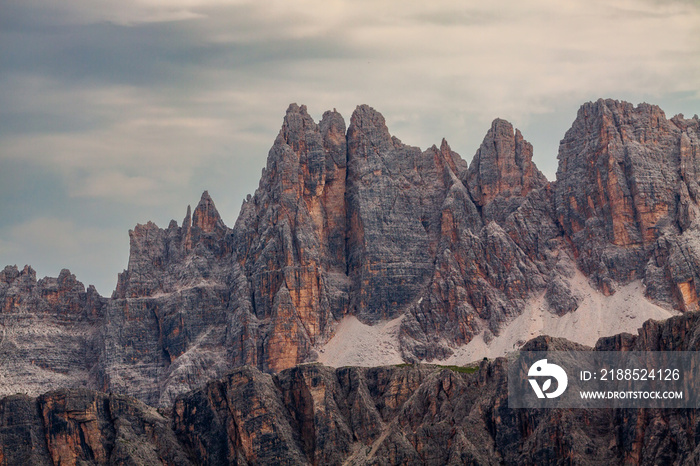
x,y
289,242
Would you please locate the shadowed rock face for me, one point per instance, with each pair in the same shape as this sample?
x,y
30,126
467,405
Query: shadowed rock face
x,y
85,427
395,193
315,415
496,246
353,221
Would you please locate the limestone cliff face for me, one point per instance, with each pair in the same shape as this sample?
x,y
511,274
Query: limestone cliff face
x,y
502,171
50,331
290,243
430,415
627,196
78,426
393,195
496,246
164,330
343,222
354,222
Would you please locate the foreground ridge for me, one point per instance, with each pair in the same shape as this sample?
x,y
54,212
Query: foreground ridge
x,y
312,414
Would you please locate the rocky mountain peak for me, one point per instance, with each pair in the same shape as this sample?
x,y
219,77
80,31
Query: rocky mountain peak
x,y
627,196
444,146
503,167
290,241
9,274
453,160
187,221
332,127
205,215
624,122
49,330
67,281
297,122
304,155
368,131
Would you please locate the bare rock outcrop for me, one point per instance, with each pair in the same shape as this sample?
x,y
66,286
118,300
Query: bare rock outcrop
x,y
393,196
502,171
311,414
164,330
495,247
290,243
81,426
627,197
430,415
50,331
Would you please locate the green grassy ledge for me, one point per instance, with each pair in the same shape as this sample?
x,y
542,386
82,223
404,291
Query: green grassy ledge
x,y
460,369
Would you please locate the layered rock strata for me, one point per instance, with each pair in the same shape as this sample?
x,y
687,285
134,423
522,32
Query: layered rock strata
x,y
289,242
50,331
164,330
79,426
627,197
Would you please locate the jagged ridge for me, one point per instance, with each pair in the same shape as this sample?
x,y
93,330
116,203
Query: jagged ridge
x,y
354,222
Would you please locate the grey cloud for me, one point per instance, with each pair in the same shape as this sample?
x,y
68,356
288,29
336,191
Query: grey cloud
x,y
154,55
461,16
142,56
24,183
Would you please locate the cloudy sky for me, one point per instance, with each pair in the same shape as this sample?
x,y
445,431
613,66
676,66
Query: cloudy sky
x,y
116,112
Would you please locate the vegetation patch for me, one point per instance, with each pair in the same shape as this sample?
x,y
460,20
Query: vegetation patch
x,y
462,369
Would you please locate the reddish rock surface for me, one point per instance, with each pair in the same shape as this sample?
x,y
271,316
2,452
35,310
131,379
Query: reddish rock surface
x,y
627,197
502,170
290,242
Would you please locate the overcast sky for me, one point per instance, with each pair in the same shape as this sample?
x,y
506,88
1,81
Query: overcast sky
x,y
116,112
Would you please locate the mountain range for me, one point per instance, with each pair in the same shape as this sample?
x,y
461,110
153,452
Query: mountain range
x,y
351,231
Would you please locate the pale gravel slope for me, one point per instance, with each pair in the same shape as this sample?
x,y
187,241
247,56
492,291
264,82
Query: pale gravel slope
x,y
357,344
